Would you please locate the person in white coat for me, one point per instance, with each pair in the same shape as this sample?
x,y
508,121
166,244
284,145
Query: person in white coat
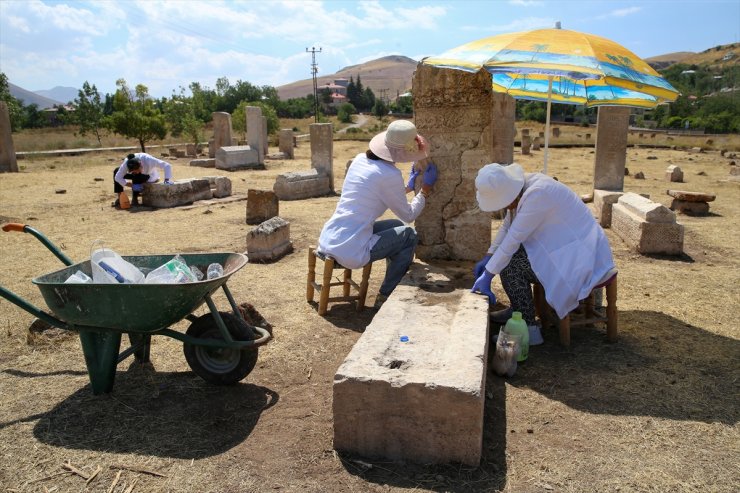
x,y
548,236
353,236
138,169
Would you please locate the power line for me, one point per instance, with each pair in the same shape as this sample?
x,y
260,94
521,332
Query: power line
x,y
314,71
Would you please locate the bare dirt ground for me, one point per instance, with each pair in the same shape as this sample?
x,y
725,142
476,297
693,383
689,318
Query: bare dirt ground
x,y
658,411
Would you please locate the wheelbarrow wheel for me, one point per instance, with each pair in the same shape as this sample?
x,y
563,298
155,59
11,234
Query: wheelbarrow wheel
x,y
220,366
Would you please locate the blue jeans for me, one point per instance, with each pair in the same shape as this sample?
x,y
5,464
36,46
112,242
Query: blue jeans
x,y
396,245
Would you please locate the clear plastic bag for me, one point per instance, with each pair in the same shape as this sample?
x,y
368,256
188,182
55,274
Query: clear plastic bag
x,y
176,271
507,352
79,277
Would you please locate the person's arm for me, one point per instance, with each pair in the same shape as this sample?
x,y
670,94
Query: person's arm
x,y
122,169
393,195
532,211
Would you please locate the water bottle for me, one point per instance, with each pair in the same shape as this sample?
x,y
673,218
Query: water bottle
x,y
215,270
518,327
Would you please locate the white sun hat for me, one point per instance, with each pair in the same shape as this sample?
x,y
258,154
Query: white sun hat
x,y
400,143
497,185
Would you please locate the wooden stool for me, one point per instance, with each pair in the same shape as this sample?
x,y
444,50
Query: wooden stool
x,y
347,283
590,316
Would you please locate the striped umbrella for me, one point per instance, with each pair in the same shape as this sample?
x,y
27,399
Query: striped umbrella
x,y
563,66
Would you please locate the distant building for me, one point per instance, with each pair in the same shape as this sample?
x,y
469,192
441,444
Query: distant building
x,y
338,90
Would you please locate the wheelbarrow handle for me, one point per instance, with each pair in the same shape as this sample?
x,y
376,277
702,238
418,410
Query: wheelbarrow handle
x,y
25,228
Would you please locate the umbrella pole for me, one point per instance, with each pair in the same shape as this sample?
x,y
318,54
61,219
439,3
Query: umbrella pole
x,y
547,121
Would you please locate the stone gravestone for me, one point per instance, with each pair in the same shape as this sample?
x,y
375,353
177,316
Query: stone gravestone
x,y
647,226
611,147
285,143
254,132
503,128
8,162
322,149
673,173
234,158
269,241
536,144
222,132
526,144
556,132
691,203
261,205
220,186
453,111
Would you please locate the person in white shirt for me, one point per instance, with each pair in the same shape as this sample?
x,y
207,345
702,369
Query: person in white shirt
x,y
548,236
139,168
353,236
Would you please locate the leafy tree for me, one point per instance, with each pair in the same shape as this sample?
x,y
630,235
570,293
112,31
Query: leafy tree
x,y
15,107
33,118
325,96
135,115
403,104
89,111
239,117
380,109
368,98
346,110
295,108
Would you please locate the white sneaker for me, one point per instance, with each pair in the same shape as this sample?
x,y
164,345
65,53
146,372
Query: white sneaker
x,y
535,336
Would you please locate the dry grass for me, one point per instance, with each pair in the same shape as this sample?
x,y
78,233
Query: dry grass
x,y
657,411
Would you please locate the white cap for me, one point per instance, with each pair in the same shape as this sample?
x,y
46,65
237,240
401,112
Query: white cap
x,y
498,185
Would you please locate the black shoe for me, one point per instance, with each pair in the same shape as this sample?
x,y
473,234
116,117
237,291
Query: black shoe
x,y
135,201
116,204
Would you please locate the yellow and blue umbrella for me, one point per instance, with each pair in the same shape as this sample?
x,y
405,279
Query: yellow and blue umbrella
x,y
557,65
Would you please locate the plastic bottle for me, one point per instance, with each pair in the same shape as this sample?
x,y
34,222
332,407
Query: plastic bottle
x,y
517,326
215,270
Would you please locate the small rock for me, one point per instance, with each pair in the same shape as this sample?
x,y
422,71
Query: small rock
x,y
652,157
530,430
60,190
701,173
626,171
639,175
97,178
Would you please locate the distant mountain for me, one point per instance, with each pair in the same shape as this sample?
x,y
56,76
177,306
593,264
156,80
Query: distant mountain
x,y
59,93
390,75
716,57
30,98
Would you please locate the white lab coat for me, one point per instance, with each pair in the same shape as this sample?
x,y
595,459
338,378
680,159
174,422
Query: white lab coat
x,y
370,188
567,248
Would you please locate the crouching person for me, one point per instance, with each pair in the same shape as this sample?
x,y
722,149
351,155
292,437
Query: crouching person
x,y
548,236
136,170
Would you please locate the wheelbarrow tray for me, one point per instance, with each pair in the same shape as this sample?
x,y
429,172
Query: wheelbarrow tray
x,y
133,308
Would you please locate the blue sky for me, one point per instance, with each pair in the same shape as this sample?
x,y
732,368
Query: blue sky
x,y
169,44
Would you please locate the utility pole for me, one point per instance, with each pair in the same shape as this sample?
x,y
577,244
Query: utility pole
x,y
314,71
383,95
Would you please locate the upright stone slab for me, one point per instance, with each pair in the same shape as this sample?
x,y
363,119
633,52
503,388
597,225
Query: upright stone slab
x,y
265,137
526,144
453,110
285,143
647,226
269,241
8,162
180,192
322,150
222,132
421,400
674,173
254,132
536,144
611,147
261,205
503,127
234,158
556,132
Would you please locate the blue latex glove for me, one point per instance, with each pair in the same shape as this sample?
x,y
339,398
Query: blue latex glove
x,y
430,175
482,285
480,266
137,187
412,177
167,181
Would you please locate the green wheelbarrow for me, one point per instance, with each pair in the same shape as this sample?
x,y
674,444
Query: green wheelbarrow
x,y
220,347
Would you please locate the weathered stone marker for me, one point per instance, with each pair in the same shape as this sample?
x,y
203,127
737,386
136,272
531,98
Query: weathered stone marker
x,y
611,148
420,400
233,158
454,111
691,203
261,206
222,132
647,226
8,162
322,150
255,132
285,143
269,241
674,173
